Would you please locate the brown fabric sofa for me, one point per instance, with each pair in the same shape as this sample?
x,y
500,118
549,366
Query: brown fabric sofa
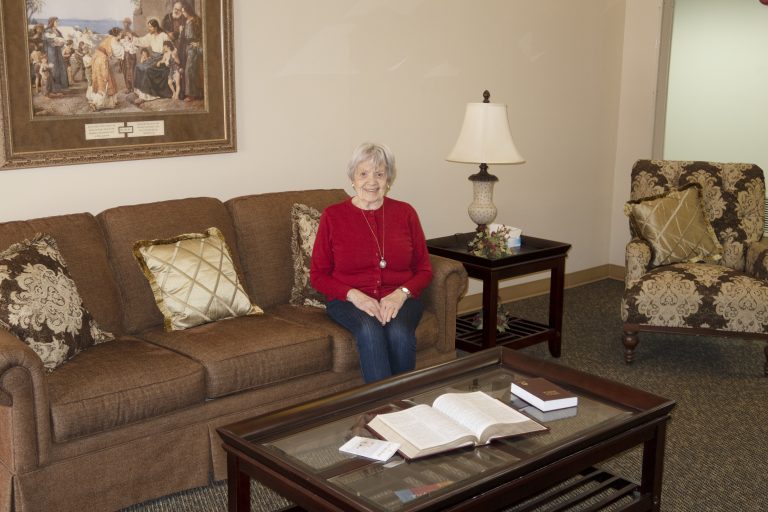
x,y
135,418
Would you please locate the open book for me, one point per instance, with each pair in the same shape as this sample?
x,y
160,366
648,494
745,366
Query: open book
x,y
453,421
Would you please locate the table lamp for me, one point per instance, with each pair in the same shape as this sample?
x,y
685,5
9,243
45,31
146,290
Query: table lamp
x,y
484,139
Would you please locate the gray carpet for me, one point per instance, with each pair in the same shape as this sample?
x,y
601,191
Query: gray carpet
x,y
717,442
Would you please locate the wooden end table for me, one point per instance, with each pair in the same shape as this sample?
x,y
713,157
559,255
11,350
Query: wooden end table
x,y
533,255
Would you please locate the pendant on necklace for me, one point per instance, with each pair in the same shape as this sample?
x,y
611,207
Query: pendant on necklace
x,y
383,263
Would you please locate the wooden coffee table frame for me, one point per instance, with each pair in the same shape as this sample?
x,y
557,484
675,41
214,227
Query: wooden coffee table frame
x,y
646,427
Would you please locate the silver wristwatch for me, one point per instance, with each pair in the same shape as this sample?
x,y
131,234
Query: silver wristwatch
x,y
406,291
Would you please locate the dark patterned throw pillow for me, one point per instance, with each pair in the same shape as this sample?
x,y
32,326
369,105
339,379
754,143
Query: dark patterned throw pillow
x,y
40,305
304,222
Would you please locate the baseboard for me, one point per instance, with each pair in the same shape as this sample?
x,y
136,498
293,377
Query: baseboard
x,y
540,287
616,272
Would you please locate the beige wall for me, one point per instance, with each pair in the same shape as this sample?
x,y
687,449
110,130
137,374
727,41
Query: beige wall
x,y
315,78
642,31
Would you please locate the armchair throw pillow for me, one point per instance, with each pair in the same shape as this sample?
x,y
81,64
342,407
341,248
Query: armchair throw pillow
x,y
304,223
40,304
193,279
675,226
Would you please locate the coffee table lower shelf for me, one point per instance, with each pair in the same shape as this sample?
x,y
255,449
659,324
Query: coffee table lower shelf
x,y
519,333
594,489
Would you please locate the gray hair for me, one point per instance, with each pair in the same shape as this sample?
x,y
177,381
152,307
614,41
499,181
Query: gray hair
x,y
378,154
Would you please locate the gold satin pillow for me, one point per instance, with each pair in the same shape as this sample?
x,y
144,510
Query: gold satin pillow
x,y
193,279
675,226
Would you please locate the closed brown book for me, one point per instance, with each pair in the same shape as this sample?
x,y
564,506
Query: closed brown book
x,y
543,394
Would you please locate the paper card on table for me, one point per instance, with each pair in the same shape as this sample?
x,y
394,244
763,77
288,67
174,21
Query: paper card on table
x,y
375,449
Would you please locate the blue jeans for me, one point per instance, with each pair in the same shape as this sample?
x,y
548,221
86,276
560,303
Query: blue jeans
x,y
384,349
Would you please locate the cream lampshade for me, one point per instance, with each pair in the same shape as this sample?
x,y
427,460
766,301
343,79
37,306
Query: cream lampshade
x,y
484,139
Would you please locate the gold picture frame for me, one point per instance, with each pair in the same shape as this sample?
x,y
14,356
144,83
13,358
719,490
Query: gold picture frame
x,y
41,125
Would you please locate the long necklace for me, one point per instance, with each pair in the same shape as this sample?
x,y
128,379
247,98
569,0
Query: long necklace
x,y
380,247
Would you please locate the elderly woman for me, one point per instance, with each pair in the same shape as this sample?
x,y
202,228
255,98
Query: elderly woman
x,y
370,260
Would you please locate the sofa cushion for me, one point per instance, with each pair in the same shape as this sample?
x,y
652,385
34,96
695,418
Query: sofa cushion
x,y
345,355
304,223
40,304
193,279
118,383
83,247
675,226
263,224
249,351
125,225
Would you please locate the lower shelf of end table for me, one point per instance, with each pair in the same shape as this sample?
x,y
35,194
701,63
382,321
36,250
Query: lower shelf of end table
x,y
519,333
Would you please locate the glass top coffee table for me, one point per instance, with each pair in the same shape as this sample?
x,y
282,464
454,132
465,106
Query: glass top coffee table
x,y
295,451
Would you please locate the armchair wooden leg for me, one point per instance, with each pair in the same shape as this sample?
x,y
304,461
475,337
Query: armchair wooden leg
x,y
631,340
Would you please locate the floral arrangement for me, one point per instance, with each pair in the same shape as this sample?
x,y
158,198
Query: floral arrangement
x,y
502,319
491,244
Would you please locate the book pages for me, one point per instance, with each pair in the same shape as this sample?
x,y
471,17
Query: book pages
x,y
424,427
477,412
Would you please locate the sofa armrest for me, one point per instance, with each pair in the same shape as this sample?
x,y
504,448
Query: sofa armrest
x,y
637,261
449,283
757,259
25,433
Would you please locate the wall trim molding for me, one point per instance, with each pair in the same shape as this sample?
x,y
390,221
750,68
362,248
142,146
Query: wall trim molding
x,y
662,80
616,272
541,287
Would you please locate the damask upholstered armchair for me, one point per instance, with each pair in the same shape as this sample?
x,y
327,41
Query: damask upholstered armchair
x,y
683,276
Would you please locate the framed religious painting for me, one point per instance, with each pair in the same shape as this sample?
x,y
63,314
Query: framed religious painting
x,y
102,80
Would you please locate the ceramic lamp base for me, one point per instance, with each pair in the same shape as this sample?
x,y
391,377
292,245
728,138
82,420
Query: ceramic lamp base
x,y
482,211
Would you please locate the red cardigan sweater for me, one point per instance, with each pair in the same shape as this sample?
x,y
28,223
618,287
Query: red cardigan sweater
x,y
346,255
